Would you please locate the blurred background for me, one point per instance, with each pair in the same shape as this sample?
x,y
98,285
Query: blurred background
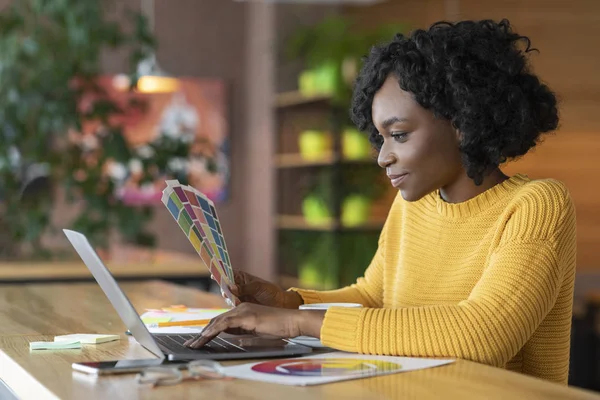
x,y
101,101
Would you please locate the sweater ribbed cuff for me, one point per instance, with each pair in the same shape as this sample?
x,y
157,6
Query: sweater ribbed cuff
x,y
340,328
308,296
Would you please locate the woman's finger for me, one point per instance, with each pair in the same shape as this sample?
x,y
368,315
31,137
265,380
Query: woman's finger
x,y
206,328
220,324
239,277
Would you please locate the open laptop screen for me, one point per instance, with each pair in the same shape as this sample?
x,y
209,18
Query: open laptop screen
x,y
113,292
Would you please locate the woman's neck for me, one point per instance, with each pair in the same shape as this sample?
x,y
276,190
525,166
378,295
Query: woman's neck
x,y
463,188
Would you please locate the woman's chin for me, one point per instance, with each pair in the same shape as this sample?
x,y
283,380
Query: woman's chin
x,y
410,195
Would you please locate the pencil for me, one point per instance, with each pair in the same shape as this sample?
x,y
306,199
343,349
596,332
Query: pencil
x,y
196,322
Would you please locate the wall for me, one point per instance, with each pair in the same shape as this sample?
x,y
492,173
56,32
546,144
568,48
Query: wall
x,y
206,39
202,39
566,33
217,39
229,40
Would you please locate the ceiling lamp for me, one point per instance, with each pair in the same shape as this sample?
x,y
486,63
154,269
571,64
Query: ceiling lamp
x,y
151,78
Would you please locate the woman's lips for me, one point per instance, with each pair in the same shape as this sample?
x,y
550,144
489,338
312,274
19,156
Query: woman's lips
x,y
397,179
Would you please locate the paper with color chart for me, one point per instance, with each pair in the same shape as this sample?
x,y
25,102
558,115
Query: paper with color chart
x,y
182,314
197,217
327,368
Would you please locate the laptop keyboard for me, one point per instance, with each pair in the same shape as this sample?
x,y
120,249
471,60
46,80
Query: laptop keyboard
x,y
174,343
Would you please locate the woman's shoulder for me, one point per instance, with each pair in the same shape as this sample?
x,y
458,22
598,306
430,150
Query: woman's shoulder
x,y
540,208
543,194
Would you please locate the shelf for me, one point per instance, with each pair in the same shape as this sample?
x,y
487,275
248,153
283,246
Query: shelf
x,y
58,271
295,98
125,262
297,222
294,160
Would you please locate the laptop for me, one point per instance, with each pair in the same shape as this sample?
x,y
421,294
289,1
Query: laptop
x,y
170,346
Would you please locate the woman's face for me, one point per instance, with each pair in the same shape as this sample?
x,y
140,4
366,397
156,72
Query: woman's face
x,y
420,152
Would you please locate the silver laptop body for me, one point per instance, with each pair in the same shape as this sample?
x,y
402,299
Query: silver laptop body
x,y
223,347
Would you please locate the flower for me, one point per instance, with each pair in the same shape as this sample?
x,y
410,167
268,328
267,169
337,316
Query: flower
x,y
145,152
136,166
178,164
117,171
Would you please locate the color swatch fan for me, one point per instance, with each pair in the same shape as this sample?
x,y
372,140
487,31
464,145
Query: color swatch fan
x,y
197,217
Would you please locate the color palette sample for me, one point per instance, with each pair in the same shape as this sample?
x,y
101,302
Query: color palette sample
x,y
197,216
330,367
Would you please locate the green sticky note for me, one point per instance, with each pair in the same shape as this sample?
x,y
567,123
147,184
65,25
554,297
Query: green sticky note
x,y
87,338
67,344
156,320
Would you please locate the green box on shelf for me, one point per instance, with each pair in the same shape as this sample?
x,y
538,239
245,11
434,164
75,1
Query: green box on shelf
x,y
355,145
355,210
318,81
314,144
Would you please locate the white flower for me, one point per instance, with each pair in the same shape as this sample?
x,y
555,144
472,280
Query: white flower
x,y
136,166
178,164
145,152
198,166
14,157
89,142
147,188
117,171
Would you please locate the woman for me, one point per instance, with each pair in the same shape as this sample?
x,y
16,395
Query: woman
x,y
471,263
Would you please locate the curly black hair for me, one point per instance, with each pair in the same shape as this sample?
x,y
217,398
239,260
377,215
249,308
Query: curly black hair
x,y
474,74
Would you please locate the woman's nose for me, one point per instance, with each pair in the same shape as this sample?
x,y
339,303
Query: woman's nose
x,y
385,157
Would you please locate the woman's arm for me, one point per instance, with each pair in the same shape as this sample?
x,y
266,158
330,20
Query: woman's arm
x,y
508,303
518,288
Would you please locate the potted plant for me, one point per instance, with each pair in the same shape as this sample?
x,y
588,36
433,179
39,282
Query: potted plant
x,y
331,50
50,55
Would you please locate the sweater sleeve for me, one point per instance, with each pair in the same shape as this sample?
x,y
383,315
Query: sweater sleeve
x,y
517,289
367,290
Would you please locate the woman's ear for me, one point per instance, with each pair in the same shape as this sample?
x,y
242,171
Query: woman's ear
x,y
457,132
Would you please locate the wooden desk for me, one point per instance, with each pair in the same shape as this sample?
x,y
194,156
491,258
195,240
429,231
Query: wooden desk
x,y
58,309
82,308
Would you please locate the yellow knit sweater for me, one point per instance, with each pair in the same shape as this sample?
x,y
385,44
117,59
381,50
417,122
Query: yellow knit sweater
x,y
488,280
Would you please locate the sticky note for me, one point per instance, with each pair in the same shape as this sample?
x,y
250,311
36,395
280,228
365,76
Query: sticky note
x,y
87,338
155,320
175,309
66,344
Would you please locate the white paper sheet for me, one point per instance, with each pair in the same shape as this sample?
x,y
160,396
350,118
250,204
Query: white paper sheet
x,y
189,314
330,367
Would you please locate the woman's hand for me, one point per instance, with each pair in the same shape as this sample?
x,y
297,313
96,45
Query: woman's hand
x,y
255,319
250,289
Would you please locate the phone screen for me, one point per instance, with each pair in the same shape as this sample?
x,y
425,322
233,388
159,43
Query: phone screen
x,y
118,366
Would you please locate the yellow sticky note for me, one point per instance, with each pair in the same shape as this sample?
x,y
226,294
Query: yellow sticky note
x,y
155,320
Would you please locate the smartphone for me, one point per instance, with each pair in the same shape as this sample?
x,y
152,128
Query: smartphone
x,y
121,366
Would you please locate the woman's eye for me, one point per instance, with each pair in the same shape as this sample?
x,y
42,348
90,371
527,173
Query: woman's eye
x,y
399,136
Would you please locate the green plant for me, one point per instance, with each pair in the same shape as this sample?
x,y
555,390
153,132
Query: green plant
x,y
355,179
338,43
50,53
333,262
